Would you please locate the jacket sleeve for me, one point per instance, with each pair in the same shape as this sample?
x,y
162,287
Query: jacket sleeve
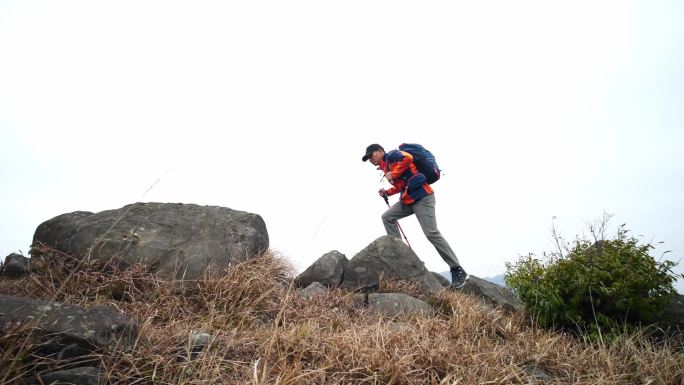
x,y
401,165
400,161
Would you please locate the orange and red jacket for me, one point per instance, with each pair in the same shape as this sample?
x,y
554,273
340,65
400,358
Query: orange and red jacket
x,y
405,177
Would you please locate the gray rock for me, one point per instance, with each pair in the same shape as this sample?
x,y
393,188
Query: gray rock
x,y
442,279
71,331
194,345
16,265
327,270
495,294
391,258
535,374
77,376
174,240
198,341
313,290
392,304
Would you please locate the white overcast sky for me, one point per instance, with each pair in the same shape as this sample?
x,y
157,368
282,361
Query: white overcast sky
x,y
535,110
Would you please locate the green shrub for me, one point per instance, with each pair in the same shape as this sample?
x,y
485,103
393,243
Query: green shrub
x,y
596,286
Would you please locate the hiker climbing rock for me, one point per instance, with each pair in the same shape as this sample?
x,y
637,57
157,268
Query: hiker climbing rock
x,y
410,170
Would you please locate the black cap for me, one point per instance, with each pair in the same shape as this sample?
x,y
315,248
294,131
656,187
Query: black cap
x,y
370,149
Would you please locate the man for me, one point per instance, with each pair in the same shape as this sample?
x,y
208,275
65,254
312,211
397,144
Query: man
x,y
417,197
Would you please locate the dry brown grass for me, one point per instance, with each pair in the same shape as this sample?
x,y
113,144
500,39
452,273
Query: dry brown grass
x,y
265,334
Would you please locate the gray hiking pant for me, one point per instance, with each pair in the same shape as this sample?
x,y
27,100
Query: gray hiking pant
x,y
425,212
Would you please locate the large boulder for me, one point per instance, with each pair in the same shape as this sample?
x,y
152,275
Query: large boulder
x,y
392,259
174,240
494,294
327,270
69,330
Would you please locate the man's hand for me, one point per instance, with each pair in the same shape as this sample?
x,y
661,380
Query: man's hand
x,y
388,175
382,192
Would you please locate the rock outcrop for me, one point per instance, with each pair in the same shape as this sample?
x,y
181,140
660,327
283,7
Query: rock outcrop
x,y
69,331
393,304
327,270
390,258
496,295
174,240
314,290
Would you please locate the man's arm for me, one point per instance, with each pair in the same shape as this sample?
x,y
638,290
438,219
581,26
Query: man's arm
x,y
397,186
399,161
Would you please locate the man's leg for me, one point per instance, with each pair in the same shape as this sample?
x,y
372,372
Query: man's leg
x,y
425,212
392,215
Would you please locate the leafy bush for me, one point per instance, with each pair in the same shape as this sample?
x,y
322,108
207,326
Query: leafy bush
x,y
596,286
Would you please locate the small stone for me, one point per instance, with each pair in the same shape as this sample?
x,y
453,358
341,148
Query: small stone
x,y
314,290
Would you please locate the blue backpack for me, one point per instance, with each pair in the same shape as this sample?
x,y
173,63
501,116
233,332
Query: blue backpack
x,y
424,160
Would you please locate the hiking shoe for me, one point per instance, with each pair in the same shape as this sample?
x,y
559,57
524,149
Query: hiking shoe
x,y
458,277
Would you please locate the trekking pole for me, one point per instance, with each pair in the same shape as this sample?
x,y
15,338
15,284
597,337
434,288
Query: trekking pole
x,y
398,225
